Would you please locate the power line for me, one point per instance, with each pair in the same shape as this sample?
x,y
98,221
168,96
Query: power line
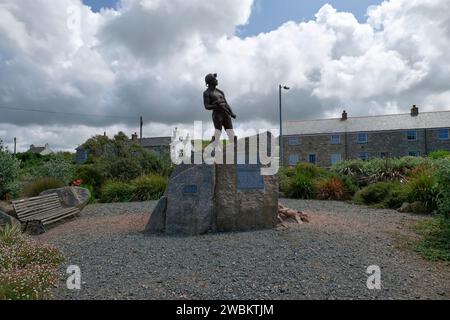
x,y
66,113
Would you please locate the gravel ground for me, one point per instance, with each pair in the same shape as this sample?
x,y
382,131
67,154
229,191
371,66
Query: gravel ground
x,y
325,259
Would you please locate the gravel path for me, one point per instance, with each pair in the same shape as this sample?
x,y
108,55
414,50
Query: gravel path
x,y
325,259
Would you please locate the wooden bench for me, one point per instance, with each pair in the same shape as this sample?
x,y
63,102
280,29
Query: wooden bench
x,y
37,212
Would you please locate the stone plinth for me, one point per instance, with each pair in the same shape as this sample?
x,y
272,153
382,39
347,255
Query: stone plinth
x,y
206,198
221,197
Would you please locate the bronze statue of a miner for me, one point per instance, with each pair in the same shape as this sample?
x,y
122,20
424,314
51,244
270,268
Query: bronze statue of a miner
x,y
214,99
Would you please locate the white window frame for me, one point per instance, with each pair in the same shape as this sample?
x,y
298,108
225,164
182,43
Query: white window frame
x,y
334,136
365,135
296,162
415,135
296,139
443,130
334,156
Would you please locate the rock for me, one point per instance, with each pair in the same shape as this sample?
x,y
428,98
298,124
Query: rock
x,y
415,207
190,200
406,207
6,219
419,208
7,208
157,222
71,196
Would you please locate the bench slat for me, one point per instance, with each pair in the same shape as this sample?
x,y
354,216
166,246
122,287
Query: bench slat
x,y
60,218
34,199
60,214
43,215
54,213
24,211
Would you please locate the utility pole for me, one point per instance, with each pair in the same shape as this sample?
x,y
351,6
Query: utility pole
x,y
280,87
15,145
140,137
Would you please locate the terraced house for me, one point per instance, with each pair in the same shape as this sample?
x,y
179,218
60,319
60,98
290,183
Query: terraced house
x,y
329,141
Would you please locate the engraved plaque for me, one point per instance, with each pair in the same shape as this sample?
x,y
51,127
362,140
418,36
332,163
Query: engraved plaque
x,y
190,190
249,177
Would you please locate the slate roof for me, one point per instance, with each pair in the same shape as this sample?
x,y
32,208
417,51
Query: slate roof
x,y
156,142
36,149
425,120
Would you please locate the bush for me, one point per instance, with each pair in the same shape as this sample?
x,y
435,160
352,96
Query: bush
x,y
28,270
443,197
117,191
332,188
90,175
9,172
150,187
301,187
396,198
33,189
57,167
379,170
439,154
423,188
92,191
123,169
285,175
377,193
152,162
310,170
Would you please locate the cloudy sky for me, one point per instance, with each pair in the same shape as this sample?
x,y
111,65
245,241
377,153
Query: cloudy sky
x,y
97,65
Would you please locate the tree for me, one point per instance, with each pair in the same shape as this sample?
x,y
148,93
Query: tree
x,y
9,172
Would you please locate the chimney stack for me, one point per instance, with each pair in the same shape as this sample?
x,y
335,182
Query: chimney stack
x,y
414,111
134,137
32,146
344,116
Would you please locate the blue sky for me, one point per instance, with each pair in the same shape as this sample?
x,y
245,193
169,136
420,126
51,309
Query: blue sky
x,y
269,14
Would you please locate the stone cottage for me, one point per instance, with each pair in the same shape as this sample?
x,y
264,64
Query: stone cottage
x,y
329,141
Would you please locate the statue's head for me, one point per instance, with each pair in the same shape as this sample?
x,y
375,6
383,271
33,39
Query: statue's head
x,y
211,79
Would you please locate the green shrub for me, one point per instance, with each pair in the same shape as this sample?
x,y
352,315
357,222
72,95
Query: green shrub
x,y
423,188
89,174
435,242
9,172
443,198
57,167
332,188
376,193
396,198
285,175
34,188
117,191
379,170
440,154
301,187
310,170
124,169
150,187
28,269
350,185
92,191
152,162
